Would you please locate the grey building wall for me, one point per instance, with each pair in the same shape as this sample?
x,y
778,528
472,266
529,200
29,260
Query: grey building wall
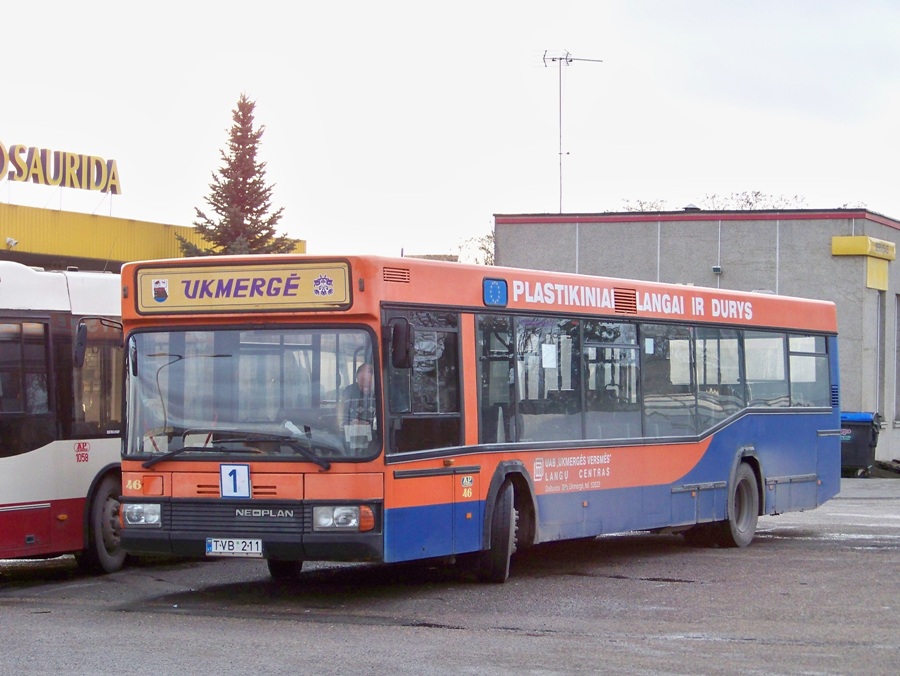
x,y
786,252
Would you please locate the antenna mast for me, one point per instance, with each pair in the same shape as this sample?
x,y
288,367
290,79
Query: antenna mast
x,y
560,59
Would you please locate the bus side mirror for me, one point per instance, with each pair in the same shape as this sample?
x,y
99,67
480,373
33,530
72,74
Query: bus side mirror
x,y
401,343
131,357
80,344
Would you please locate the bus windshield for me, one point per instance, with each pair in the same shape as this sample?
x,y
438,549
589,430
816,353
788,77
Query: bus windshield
x,y
305,394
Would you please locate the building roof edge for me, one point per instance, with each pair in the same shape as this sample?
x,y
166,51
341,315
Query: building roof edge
x,y
698,215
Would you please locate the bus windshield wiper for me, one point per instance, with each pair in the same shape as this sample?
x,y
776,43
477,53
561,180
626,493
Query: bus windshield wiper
x,y
295,440
171,454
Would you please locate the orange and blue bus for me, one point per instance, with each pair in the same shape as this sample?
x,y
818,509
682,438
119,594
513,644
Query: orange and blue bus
x,y
501,408
61,407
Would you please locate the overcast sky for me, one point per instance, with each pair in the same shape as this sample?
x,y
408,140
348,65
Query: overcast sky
x,y
405,125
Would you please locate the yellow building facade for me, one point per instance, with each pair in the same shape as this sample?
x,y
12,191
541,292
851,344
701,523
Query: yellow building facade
x,y
55,239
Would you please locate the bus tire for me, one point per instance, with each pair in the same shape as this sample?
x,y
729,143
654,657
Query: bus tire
x,y
743,510
494,563
284,570
104,553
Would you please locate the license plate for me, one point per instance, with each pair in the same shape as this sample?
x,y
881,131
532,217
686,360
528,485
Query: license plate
x,y
234,547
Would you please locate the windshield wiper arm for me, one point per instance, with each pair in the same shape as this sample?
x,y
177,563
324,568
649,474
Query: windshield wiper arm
x,y
147,464
306,451
293,440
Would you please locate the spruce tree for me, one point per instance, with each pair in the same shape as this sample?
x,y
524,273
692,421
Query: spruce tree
x,y
239,198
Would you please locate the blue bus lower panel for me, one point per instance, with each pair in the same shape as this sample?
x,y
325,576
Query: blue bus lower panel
x,y
431,531
800,469
620,510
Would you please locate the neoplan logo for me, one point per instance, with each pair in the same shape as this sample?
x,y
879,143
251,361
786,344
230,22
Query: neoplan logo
x,y
266,513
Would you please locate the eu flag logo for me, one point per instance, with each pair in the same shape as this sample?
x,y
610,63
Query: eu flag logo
x,y
495,292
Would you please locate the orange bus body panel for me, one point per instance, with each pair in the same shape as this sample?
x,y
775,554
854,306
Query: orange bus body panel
x,y
347,486
375,281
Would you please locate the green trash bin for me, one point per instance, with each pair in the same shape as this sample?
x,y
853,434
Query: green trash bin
x,y
859,437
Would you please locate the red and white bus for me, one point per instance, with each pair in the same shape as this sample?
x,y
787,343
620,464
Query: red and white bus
x,y
60,422
508,408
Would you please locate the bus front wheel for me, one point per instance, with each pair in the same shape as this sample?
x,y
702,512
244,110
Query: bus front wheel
x,y
494,563
104,553
743,510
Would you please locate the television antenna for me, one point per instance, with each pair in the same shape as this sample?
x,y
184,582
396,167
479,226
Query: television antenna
x,y
565,58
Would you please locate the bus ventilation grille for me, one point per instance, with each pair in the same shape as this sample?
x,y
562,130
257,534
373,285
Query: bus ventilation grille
x,y
400,275
835,397
625,300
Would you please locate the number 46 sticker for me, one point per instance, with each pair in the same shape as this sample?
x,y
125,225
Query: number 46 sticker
x,y
235,481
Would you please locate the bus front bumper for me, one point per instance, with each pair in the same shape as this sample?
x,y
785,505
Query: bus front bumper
x,y
309,547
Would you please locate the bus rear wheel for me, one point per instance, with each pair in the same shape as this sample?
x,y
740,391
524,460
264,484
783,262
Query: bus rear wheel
x,y
743,510
494,562
104,553
284,570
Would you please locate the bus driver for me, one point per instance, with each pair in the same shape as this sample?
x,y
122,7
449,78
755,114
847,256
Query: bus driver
x,y
357,413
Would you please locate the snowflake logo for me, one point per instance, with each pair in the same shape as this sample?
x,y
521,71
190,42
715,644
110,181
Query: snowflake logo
x,y
323,285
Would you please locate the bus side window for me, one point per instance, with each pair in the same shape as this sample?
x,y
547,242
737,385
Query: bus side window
x,y
765,363
810,379
398,390
26,422
668,382
548,379
97,395
495,377
721,392
10,368
423,400
10,394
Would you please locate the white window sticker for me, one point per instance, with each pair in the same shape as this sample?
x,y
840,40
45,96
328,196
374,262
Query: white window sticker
x,y
548,356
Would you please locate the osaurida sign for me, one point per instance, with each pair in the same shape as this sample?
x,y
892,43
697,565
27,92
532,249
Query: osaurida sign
x,y
58,168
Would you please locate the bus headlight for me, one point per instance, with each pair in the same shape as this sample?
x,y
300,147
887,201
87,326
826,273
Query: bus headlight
x,y
343,517
142,514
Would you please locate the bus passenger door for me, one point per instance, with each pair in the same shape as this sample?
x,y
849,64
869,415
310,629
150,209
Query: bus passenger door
x,y
441,513
27,429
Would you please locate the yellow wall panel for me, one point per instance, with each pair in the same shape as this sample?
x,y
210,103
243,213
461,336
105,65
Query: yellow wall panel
x,y
67,233
876,274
